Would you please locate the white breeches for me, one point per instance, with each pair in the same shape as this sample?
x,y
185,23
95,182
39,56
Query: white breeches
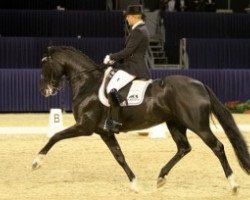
x,y
119,80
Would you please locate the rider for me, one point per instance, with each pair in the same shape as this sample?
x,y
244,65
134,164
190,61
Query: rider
x,y
132,63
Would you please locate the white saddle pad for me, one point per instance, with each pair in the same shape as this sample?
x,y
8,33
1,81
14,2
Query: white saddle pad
x,y
137,91
135,96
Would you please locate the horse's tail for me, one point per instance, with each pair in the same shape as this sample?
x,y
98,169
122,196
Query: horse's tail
x,y
232,131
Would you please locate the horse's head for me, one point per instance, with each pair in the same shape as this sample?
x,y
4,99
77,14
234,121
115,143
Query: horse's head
x,y
52,72
60,61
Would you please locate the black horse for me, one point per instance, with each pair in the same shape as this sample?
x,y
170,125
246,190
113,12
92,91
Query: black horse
x,y
182,102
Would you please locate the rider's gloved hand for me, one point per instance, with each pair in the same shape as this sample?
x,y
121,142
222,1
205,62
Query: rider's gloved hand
x,y
108,61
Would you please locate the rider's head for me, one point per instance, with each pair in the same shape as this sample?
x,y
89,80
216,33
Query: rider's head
x,y
134,14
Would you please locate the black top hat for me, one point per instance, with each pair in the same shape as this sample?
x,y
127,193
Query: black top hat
x,y
134,10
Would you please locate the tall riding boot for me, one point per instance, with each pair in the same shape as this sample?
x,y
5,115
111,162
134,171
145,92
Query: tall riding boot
x,y
113,125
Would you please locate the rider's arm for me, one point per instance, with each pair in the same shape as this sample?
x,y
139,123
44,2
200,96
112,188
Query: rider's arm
x,y
133,42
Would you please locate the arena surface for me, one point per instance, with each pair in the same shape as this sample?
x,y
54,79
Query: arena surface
x,y
83,168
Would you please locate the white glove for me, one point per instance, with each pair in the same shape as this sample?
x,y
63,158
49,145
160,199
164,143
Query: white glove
x,y
107,60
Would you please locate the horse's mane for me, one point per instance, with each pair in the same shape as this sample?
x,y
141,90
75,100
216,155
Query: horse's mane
x,y
53,49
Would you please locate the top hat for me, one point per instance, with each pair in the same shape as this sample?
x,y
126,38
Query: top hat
x,y
134,10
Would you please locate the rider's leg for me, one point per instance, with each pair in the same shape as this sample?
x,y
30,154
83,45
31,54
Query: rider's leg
x,y
113,122
119,80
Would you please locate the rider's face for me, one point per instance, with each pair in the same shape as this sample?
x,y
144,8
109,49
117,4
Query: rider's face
x,y
130,20
133,19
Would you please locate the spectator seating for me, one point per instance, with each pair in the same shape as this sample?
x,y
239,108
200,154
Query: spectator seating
x,y
202,25
26,52
52,4
52,23
25,33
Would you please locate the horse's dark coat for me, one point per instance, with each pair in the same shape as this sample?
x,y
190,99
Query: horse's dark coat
x,y
181,102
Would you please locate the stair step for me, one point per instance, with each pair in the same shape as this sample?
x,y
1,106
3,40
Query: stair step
x,y
155,43
160,66
157,51
156,48
159,57
160,62
159,54
166,66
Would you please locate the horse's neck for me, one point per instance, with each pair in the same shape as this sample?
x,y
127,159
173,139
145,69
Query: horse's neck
x,y
82,74
85,84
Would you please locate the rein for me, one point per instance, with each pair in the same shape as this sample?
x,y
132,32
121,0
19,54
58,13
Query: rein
x,y
74,76
99,68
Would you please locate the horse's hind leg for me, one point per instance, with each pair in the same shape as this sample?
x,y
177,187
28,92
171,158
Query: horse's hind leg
x,y
178,133
218,148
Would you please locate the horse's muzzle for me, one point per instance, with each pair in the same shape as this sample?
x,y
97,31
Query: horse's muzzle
x,y
49,91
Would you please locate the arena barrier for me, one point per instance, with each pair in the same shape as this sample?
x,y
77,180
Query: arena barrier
x,y
19,89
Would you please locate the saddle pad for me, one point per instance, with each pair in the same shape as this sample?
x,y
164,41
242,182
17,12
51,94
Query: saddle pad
x,y
137,92
101,93
135,95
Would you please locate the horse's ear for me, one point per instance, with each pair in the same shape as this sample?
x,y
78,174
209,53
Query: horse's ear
x,y
49,50
45,51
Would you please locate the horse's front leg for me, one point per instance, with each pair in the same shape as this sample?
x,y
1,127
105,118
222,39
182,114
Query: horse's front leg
x,y
114,147
73,131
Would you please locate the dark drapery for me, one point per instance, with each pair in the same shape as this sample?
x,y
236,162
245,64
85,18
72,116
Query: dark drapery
x,y
26,52
218,53
19,89
53,23
52,4
202,25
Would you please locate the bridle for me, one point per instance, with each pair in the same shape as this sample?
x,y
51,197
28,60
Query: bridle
x,y
74,76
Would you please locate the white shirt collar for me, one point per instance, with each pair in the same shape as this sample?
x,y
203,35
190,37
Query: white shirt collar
x,y
137,24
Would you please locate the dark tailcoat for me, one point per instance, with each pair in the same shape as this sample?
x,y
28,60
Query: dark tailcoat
x,y
133,55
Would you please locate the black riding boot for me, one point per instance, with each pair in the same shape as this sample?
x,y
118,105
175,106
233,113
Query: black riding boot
x,y
112,123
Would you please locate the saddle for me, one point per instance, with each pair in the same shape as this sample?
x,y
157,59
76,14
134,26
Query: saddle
x,y
132,94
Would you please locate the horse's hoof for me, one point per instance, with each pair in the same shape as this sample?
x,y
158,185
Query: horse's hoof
x,y
35,166
160,182
37,162
235,190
